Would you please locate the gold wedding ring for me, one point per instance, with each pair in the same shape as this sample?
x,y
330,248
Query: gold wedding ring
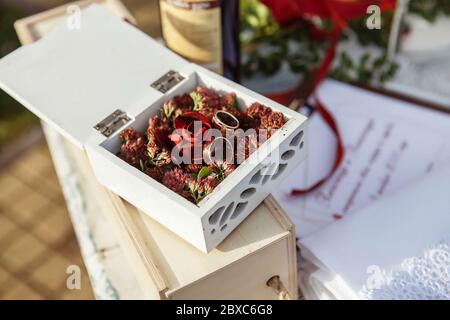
x,y
224,119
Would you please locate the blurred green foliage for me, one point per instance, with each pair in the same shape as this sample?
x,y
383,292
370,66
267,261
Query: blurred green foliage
x,y
430,9
266,46
14,118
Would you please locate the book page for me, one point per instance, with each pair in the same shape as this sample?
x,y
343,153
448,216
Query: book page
x,y
388,144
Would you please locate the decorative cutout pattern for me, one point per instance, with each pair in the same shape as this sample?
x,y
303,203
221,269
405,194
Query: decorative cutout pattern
x,y
239,208
287,154
268,172
227,213
280,170
266,178
247,193
222,217
296,140
215,216
256,177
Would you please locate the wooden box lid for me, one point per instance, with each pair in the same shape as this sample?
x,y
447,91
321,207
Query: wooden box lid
x,y
76,76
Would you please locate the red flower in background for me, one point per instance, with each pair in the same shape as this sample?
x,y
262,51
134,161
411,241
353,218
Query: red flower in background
x,y
340,11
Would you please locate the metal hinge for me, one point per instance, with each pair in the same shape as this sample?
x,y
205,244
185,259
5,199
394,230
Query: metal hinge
x,y
112,123
167,81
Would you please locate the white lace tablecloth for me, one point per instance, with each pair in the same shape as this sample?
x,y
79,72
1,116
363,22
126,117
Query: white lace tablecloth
x,y
417,278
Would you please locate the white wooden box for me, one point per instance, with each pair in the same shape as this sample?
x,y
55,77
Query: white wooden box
x,y
261,248
75,78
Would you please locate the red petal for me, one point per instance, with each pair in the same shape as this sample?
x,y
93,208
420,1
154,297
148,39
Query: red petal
x,y
198,116
183,120
175,138
181,134
161,139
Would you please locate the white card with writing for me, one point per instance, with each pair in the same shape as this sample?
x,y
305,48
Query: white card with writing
x,y
388,144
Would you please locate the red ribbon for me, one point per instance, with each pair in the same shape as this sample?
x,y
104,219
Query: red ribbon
x,y
339,12
340,151
287,11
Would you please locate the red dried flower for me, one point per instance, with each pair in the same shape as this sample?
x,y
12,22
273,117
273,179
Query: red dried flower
x,y
156,173
192,184
257,110
221,169
157,122
199,189
175,179
188,195
176,106
134,148
209,112
205,101
184,101
130,134
228,101
246,122
193,167
158,157
159,145
272,122
158,131
152,154
207,185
